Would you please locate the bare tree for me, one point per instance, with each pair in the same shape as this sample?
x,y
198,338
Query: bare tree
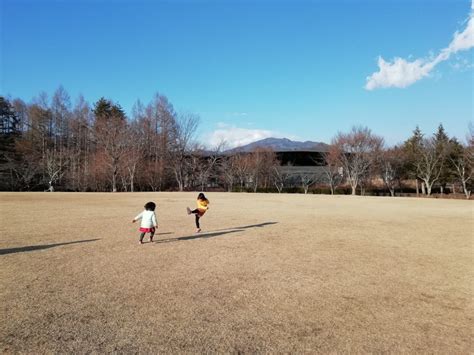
x,y
255,166
242,167
357,151
185,129
80,145
110,133
333,170
40,118
161,133
270,162
228,170
55,164
461,159
208,162
60,113
133,155
429,164
260,164
307,179
391,168
154,174
154,159
280,176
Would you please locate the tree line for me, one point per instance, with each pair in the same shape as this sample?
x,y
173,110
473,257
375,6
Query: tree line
x,y
51,144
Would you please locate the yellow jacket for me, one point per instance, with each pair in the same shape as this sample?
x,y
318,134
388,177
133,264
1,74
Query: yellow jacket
x,y
202,205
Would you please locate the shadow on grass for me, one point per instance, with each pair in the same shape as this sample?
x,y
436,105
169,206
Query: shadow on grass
x,y
216,233
257,225
41,247
197,236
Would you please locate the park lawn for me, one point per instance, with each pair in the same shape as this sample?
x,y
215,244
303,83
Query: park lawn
x,y
269,273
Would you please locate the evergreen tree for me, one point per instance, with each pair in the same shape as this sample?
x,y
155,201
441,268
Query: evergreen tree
x,y
412,149
442,147
9,131
110,132
105,109
8,118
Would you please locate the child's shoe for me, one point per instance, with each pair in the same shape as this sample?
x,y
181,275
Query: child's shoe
x,y
188,210
198,230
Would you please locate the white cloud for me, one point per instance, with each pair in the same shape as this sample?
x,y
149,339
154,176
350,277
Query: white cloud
x,y
463,40
401,73
234,136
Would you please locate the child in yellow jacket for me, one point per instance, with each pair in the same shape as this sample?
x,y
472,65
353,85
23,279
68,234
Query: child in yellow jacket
x,y
202,207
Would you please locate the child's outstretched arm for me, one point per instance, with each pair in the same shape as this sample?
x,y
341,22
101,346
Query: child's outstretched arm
x,y
137,217
153,219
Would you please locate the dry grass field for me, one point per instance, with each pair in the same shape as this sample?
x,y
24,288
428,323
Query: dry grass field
x,y
270,273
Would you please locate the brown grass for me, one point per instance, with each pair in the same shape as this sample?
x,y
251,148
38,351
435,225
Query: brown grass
x,y
271,273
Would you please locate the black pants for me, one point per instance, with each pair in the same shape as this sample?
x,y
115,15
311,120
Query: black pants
x,y
196,212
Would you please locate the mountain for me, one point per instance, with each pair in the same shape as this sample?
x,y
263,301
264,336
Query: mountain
x,y
282,145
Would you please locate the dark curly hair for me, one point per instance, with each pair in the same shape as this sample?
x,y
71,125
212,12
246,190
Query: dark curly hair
x,y
150,206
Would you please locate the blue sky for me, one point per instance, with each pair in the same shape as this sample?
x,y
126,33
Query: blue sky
x,y
252,69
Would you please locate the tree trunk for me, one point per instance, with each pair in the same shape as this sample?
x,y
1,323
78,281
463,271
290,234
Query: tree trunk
x,y
353,189
466,191
114,177
441,189
428,189
423,191
279,187
417,188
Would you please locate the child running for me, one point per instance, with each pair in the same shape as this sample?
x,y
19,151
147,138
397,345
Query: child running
x,y
202,207
148,224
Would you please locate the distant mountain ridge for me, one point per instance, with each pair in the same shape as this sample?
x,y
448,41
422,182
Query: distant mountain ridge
x,y
282,145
